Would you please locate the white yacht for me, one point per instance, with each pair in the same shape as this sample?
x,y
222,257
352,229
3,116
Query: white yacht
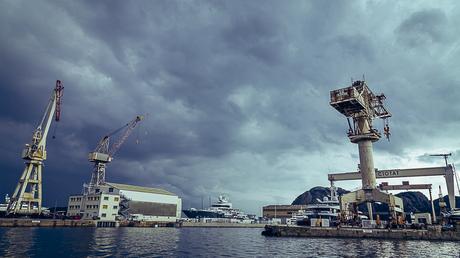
x,y
328,209
4,206
222,209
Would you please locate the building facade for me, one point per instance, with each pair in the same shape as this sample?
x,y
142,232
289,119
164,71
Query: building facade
x,y
130,202
280,211
99,206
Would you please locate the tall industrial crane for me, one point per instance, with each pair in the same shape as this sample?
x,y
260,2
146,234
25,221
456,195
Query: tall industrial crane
x,y
104,152
360,104
27,197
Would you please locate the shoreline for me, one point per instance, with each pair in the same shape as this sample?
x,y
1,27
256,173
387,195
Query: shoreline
x,y
28,222
434,233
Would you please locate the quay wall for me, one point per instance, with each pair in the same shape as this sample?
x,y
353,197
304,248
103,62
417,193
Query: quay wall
x,y
45,223
21,222
221,225
403,234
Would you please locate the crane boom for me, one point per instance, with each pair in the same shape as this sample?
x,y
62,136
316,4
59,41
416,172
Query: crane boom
x,y
27,197
129,129
103,153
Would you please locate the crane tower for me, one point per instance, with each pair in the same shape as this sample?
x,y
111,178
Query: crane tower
x,y
27,197
360,105
104,151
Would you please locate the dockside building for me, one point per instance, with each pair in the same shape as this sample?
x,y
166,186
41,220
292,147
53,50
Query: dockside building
x,y
281,211
112,200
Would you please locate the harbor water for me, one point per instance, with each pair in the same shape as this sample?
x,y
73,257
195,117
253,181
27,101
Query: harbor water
x,y
201,242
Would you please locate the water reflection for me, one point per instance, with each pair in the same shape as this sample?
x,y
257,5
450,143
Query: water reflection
x,y
198,242
108,242
104,242
17,242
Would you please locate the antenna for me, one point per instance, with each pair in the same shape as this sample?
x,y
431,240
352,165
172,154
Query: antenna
x,y
445,155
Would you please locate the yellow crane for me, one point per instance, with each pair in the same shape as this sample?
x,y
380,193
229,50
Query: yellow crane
x,y
27,197
104,152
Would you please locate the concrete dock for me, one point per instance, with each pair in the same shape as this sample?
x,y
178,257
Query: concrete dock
x,y
26,222
20,222
432,233
221,225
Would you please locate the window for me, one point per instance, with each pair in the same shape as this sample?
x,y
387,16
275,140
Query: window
x,y
98,190
104,215
116,199
104,206
106,198
111,190
115,207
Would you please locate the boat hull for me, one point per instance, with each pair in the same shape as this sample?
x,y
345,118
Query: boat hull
x,y
196,214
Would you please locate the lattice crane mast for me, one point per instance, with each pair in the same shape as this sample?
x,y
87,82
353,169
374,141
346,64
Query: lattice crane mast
x,y
27,197
104,152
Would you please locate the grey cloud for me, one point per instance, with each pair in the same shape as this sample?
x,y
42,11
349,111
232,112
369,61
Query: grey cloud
x,y
424,27
236,93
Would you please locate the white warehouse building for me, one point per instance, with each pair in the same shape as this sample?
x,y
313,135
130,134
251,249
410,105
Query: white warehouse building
x,y
132,203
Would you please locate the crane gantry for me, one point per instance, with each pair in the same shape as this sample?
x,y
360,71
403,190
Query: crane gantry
x,y
104,152
27,197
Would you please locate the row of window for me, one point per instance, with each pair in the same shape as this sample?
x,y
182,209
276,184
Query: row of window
x,y
93,198
105,215
110,190
74,207
106,198
92,206
106,207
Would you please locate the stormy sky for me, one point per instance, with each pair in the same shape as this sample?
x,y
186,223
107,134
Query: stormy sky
x,y
235,93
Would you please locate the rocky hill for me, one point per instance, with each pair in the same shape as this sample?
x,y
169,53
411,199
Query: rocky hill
x,y
413,201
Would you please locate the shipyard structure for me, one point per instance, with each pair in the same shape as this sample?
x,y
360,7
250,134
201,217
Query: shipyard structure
x,y
340,216
110,202
106,202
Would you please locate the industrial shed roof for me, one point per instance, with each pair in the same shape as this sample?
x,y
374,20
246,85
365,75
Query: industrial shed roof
x,y
136,188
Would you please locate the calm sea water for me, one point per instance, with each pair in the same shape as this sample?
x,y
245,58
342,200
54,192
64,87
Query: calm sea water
x,y
199,242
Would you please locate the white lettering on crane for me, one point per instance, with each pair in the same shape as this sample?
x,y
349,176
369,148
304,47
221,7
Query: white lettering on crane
x,y
388,173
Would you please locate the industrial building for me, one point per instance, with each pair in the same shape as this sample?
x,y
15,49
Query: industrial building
x,y
281,211
112,200
100,206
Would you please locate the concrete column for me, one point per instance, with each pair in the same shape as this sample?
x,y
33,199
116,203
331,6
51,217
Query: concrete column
x,y
369,210
450,186
366,160
433,219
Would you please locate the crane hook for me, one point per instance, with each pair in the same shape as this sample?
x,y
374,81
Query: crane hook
x,y
386,129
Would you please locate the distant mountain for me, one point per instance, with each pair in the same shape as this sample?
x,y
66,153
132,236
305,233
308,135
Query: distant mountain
x,y
315,193
415,202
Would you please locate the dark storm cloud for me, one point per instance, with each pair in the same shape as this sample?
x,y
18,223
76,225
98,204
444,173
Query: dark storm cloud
x,y
424,27
235,93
